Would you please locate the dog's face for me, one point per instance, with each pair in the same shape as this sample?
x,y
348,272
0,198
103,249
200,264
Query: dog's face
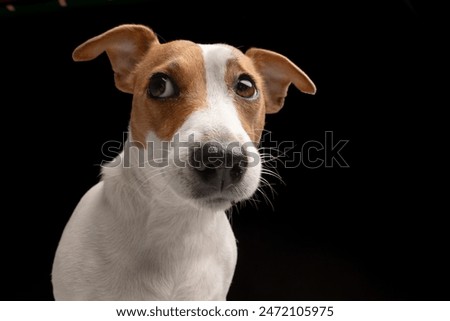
x,y
201,108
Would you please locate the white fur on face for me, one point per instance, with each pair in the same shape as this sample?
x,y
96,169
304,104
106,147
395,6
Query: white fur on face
x,y
216,122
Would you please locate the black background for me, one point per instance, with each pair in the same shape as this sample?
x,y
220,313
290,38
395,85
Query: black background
x,y
373,231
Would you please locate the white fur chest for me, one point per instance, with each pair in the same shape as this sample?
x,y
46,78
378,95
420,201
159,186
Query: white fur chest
x,y
162,255
188,259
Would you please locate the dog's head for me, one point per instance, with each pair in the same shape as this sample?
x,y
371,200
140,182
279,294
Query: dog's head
x,y
201,108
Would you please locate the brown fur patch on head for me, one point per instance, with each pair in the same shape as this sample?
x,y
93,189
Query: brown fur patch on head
x,y
251,112
183,62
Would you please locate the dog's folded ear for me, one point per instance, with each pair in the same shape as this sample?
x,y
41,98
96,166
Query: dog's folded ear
x,y
125,45
278,72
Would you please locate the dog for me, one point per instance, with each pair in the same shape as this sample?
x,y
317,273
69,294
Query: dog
x,y
155,226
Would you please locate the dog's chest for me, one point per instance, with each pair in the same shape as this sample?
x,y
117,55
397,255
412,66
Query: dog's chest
x,y
188,266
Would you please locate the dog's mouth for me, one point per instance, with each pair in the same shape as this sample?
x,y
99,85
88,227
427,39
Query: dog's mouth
x,y
216,202
213,198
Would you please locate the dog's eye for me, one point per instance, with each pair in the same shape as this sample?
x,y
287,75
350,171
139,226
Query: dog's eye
x,y
161,86
245,87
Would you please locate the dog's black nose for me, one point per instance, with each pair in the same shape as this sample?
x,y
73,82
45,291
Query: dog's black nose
x,y
219,167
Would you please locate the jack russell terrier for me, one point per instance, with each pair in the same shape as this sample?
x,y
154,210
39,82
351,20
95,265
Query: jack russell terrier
x,y
154,227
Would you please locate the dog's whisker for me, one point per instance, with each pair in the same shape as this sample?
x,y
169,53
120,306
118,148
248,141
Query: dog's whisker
x,y
265,184
266,198
252,201
273,174
269,154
